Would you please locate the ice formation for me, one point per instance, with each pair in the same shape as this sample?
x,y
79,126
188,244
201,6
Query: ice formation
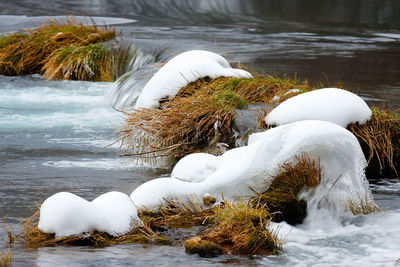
x,y
67,214
329,104
183,69
253,166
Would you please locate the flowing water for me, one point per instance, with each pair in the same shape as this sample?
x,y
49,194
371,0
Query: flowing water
x,y
51,133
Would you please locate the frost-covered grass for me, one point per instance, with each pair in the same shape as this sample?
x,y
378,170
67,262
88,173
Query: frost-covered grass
x,y
43,49
380,141
282,196
199,117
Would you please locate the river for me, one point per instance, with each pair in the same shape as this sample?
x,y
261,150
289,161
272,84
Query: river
x,y
51,131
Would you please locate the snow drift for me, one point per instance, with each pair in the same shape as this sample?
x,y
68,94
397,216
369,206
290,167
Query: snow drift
x,y
329,104
255,165
67,214
232,174
183,69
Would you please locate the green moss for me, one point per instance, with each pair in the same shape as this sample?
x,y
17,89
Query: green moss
x,y
228,98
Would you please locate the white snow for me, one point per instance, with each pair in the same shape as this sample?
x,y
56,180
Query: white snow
x,y
329,104
255,165
183,69
67,214
233,174
195,167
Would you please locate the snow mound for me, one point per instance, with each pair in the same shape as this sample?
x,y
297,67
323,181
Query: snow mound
x,y
67,214
329,104
183,69
238,170
195,167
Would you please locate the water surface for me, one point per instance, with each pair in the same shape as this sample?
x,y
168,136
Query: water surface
x,y
51,132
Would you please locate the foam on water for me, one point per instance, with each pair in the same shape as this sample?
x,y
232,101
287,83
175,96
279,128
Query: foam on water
x,y
360,241
79,105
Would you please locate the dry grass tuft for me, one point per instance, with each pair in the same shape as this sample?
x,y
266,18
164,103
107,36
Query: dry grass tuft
x,y
198,118
239,229
6,259
180,127
177,215
363,206
85,63
380,141
28,53
282,195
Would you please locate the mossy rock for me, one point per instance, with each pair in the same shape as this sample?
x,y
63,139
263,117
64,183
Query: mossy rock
x,y
204,248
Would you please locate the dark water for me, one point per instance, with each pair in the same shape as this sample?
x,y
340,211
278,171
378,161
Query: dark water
x,y
50,131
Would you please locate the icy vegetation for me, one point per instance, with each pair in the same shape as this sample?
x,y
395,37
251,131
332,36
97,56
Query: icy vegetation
x,y
181,70
255,165
328,104
67,214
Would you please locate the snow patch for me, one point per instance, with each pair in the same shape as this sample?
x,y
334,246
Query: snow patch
x,y
195,167
254,166
67,214
183,69
329,104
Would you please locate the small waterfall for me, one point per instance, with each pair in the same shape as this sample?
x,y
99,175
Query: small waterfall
x,y
133,67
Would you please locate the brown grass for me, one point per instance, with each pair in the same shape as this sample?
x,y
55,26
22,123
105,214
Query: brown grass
x,y
85,63
282,195
380,141
27,53
199,118
361,205
239,229
6,259
177,215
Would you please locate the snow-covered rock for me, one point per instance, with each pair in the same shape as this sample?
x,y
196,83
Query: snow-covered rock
x,y
67,214
181,70
238,170
329,104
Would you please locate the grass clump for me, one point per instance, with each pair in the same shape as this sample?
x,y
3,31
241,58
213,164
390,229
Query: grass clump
x,y
239,229
380,140
6,259
88,63
198,118
282,195
32,51
204,248
362,206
